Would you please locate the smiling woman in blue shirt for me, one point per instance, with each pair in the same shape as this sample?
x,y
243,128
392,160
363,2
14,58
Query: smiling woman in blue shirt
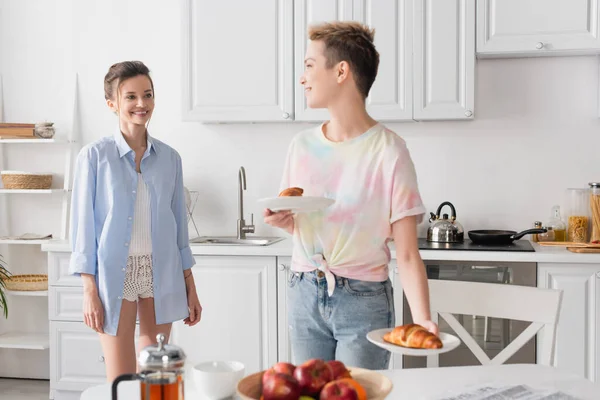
x,y
129,233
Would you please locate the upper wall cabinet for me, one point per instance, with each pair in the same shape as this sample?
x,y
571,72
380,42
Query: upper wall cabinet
x,y
444,52
246,65
537,27
238,61
390,98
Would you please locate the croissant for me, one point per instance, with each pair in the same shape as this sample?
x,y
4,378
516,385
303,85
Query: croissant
x,y
413,335
293,191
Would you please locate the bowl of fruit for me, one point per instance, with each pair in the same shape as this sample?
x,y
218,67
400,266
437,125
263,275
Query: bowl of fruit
x,y
314,379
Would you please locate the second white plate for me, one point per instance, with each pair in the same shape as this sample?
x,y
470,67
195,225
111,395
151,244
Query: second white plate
x,y
449,341
296,203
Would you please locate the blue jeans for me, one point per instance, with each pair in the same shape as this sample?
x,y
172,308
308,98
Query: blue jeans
x,y
336,327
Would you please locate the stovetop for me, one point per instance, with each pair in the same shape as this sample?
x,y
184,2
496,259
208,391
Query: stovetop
x,y
468,245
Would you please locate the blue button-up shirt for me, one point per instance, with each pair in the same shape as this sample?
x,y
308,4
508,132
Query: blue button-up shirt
x,y
102,209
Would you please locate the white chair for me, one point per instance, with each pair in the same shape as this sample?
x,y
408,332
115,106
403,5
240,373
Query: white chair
x,y
523,303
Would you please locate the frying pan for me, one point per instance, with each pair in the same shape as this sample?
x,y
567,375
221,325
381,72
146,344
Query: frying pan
x,y
500,237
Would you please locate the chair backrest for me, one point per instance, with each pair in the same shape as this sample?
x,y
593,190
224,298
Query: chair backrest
x,y
541,307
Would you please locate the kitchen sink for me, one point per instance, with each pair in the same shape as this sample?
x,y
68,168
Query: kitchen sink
x,y
234,241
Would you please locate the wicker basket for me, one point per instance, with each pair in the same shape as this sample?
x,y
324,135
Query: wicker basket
x,y
27,282
25,180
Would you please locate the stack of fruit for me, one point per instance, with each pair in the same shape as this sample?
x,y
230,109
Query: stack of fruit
x,y
313,380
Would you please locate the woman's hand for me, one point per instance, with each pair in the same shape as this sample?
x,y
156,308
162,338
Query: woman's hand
x,y
282,219
194,306
93,311
430,326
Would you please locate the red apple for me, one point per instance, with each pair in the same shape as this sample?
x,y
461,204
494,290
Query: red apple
x,y
338,390
282,368
339,369
280,387
312,375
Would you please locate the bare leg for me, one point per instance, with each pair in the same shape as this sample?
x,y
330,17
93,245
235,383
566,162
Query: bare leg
x,y
148,327
119,350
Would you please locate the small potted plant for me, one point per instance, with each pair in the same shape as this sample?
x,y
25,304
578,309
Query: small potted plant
x,y
4,274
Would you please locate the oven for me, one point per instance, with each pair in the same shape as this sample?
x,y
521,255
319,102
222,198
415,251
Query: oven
x,y
491,334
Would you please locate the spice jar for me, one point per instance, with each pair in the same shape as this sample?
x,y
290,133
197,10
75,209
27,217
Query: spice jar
x,y
578,201
536,225
595,210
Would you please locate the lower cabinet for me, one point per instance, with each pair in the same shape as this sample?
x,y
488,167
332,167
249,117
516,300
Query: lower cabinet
x,y
578,332
239,317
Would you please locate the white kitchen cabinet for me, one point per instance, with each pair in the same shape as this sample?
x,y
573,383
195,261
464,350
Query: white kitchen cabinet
x,y
578,332
426,68
238,60
390,98
444,59
76,354
239,318
537,27
76,358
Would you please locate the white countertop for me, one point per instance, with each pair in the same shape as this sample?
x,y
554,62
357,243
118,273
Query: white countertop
x,y
542,254
427,383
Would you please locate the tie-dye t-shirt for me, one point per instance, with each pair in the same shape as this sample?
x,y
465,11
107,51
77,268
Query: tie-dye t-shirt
x,y
373,182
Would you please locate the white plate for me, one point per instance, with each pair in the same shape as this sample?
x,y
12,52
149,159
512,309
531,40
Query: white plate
x,y
296,203
450,342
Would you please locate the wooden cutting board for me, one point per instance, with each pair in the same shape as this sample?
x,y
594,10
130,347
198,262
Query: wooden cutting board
x,y
584,249
571,244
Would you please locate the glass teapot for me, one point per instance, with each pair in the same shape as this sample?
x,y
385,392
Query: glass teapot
x,y
445,230
161,372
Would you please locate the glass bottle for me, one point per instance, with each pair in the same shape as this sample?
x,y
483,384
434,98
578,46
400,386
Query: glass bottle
x,y
595,210
536,225
557,225
578,201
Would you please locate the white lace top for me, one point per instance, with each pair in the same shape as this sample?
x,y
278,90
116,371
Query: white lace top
x,y
141,239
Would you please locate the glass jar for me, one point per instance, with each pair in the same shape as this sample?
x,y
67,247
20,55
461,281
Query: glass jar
x,y
548,236
557,225
578,201
595,210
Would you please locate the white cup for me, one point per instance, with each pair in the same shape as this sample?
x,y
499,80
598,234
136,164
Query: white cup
x,y
217,379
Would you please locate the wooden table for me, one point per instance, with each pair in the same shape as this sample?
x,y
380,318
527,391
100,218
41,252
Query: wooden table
x,y
428,383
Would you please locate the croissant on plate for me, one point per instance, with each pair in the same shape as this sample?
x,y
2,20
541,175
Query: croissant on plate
x,y
292,191
414,336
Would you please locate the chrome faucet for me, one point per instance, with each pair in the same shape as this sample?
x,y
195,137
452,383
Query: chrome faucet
x,y
242,228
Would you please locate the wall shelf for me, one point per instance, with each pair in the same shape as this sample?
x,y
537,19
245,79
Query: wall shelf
x,y
30,191
22,241
28,293
24,340
34,141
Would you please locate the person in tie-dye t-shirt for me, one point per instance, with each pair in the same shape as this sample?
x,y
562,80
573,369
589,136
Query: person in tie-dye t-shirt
x,y
338,288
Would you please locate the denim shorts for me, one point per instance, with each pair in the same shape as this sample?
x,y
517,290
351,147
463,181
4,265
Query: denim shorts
x,y
336,327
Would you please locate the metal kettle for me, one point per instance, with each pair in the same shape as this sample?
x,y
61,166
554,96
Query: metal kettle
x,y
161,372
445,230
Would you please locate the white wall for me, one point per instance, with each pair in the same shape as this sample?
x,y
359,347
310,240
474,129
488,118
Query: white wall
x,y
535,131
